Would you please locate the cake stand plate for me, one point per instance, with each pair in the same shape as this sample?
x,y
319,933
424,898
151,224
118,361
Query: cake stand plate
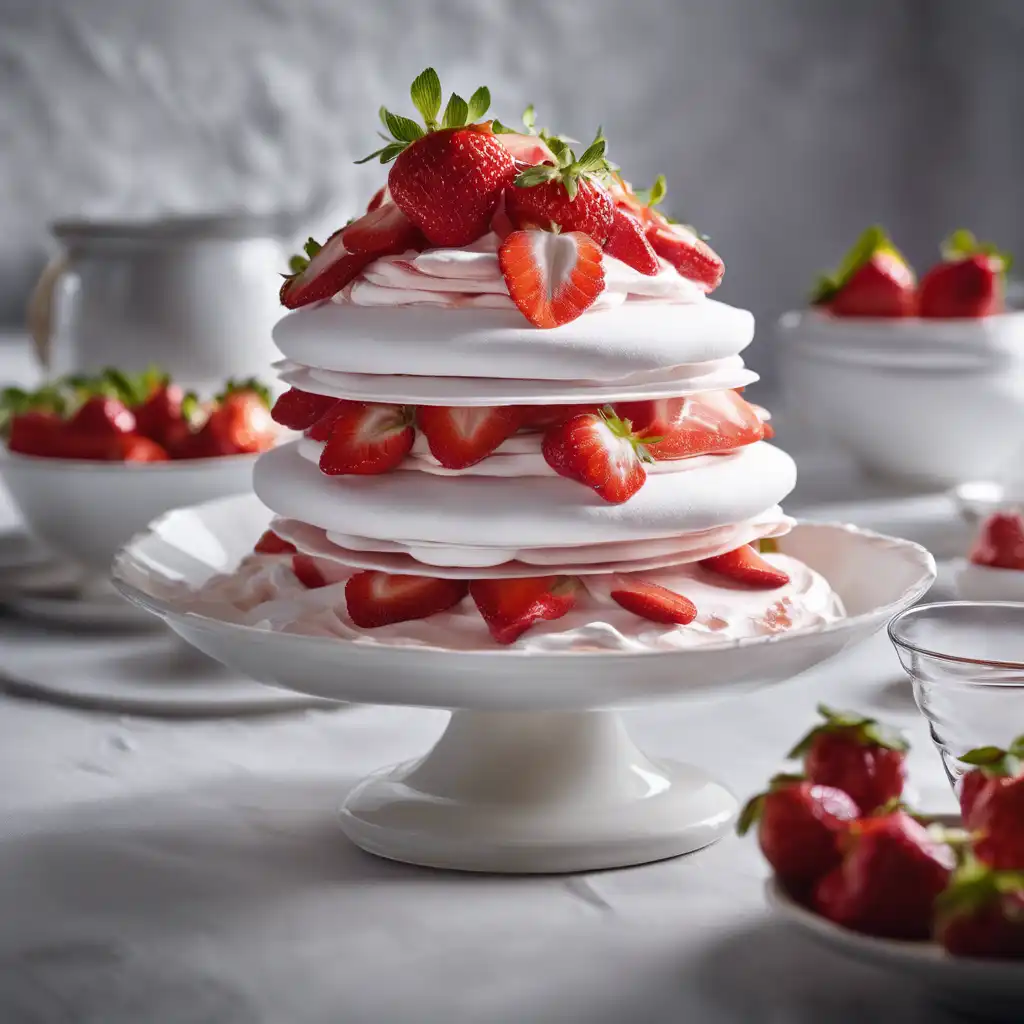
x,y
535,772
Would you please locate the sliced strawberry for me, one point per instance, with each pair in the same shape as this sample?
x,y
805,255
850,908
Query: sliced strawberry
x,y
309,575
1000,543
746,566
299,410
321,429
552,278
379,598
710,423
628,242
654,602
384,230
328,271
873,280
692,257
540,417
271,544
102,417
377,198
367,439
526,150
461,436
599,450
510,607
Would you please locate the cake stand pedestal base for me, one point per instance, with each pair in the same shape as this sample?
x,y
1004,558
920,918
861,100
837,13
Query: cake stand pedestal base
x,y
525,793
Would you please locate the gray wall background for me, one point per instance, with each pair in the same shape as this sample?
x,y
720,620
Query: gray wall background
x,y
784,126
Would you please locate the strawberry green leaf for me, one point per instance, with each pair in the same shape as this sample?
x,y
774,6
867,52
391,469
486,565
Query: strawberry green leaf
x,y
456,113
962,244
655,194
404,129
530,120
297,264
502,129
768,546
479,103
312,247
750,814
593,155
872,240
535,175
426,96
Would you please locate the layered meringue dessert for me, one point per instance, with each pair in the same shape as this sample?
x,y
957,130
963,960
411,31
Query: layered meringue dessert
x,y
521,417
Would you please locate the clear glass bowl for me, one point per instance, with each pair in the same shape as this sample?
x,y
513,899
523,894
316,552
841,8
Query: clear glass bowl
x,y
966,660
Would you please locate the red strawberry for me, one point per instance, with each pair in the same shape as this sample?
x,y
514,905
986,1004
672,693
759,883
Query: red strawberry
x,y
540,417
383,230
1000,542
447,180
800,827
716,421
240,423
377,198
746,566
367,439
981,914
599,450
692,257
565,194
873,280
526,150
321,429
552,278
135,448
36,433
379,598
510,607
305,568
299,410
100,416
857,755
997,822
990,765
654,602
461,436
891,873
323,272
628,242
271,544
969,282
111,448
160,417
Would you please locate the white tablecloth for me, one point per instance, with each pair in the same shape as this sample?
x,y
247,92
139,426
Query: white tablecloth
x,y
168,872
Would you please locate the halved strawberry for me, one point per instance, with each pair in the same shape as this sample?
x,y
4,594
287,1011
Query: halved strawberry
x,y
321,429
367,439
628,242
306,570
510,607
709,423
382,231
654,602
299,410
526,150
461,436
540,417
552,278
379,598
745,565
377,198
692,257
324,273
601,451
271,544
873,280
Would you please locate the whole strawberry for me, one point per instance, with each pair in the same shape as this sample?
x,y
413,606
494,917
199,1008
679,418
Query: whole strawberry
x,y
567,195
873,280
997,822
857,755
448,179
969,282
981,913
799,828
989,766
890,876
1000,541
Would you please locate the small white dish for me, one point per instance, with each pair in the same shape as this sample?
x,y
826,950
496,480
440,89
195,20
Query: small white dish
x,y
985,583
980,986
527,777
86,510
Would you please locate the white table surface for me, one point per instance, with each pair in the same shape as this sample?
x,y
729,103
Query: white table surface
x,y
176,872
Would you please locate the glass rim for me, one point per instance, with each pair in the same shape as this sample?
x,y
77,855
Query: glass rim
x,y
904,643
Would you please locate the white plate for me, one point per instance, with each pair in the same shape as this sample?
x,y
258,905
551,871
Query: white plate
x,y
718,375
527,777
980,986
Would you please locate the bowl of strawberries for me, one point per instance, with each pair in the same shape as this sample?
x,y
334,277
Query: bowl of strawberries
x,y
89,461
918,380
938,900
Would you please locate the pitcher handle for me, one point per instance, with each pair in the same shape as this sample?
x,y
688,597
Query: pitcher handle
x,y
39,314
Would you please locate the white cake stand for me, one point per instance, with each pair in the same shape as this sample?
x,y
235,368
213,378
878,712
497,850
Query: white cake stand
x,y
535,772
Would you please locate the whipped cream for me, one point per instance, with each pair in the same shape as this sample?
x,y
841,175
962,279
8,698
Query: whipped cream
x,y
726,612
470,277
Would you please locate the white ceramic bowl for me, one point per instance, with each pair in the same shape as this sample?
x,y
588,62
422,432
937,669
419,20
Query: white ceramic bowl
x,y
930,402
85,510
